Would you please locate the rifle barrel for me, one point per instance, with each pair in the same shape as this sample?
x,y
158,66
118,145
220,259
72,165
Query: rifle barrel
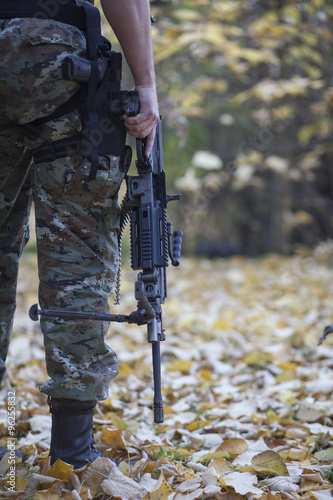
x,y
158,402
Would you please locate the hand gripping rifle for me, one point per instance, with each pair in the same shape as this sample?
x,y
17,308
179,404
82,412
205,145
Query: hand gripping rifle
x,y
152,244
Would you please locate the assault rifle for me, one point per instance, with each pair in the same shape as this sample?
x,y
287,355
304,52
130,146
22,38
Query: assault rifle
x,y
153,242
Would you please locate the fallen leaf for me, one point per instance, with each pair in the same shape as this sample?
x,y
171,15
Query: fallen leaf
x,y
60,470
113,438
233,447
269,496
242,482
281,483
194,495
220,465
324,455
122,486
230,495
161,491
46,495
196,466
322,495
296,454
309,413
296,433
274,442
189,485
269,463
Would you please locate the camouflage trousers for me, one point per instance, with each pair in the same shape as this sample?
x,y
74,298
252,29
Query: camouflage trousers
x,y
77,219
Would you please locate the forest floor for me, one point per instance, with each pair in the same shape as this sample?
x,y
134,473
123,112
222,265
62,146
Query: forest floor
x,y
247,393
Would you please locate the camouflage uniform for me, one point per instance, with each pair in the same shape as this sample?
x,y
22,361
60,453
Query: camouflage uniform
x,y
76,219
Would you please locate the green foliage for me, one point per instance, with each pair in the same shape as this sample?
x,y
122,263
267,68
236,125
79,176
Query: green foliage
x,y
329,475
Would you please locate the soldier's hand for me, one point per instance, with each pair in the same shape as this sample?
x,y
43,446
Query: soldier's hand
x,y
143,124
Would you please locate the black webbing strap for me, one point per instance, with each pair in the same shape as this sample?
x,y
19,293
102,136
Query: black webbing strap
x,y
50,151
65,12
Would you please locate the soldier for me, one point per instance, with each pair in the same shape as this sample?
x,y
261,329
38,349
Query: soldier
x,y
77,215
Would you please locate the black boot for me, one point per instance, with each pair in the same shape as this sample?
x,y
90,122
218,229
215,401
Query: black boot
x,y
72,436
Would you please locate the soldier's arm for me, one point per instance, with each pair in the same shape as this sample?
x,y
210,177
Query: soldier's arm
x,y
130,21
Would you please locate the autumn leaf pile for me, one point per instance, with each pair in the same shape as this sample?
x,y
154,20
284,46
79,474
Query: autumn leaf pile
x,y
247,392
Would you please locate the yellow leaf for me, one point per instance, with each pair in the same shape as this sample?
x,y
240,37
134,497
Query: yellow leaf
x,y
206,84
296,454
214,33
166,52
181,366
214,454
125,469
233,446
113,437
118,423
125,370
162,490
60,470
222,325
292,13
288,366
269,463
187,15
203,406
269,496
206,375
197,424
46,495
154,449
272,416
324,455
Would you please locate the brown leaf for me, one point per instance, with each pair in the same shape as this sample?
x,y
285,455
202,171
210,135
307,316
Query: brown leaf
x,y
230,494
274,442
220,465
46,495
269,496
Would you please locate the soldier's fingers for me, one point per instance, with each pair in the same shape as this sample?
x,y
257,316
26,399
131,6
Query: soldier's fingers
x,y
140,134
150,142
141,129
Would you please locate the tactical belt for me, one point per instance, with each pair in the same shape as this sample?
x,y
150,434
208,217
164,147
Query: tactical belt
x,y
51,151
66,12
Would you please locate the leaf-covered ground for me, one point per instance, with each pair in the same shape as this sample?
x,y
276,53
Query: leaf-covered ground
x,y
247,392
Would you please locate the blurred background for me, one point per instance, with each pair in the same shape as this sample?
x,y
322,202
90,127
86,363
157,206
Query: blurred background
x,y
246,94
